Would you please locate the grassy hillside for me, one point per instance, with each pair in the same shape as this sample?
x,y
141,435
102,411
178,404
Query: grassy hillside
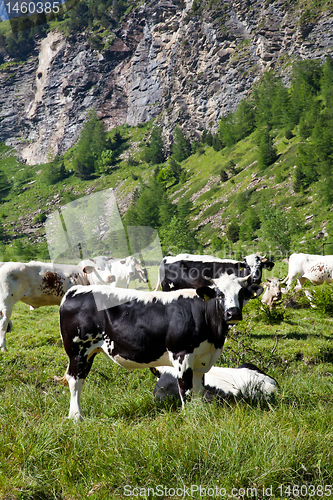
x,y
214,203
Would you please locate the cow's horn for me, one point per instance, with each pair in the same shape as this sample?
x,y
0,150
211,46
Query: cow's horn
x,y
242,280
209,280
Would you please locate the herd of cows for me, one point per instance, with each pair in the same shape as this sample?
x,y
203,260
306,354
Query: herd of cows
x,y
178,332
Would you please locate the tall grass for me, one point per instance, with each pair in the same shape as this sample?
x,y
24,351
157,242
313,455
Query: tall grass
x,y
129,440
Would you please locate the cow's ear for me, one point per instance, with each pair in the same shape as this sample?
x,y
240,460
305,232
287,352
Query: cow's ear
x,y
206,293
268,265
253,291
88,269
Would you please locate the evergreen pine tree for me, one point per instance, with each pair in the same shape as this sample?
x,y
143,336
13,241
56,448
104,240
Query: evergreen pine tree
x,y
4,184
90,146
181,147
266,149
223,176
154,151
233,232
299,179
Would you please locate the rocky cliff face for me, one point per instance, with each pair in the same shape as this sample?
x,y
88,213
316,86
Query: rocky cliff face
x,y
179,62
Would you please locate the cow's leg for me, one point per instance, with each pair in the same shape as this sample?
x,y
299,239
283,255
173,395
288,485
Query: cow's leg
x,y
300,282
309,295
75,386
183,364
77,371
5,324
198,384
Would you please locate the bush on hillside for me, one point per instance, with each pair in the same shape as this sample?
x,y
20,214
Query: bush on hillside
x,y
233,232
54,172
266,149
322,299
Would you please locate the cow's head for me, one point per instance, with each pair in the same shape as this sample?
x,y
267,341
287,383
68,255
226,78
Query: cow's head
x,y
254,265
129,262
231,294
274,287
100,276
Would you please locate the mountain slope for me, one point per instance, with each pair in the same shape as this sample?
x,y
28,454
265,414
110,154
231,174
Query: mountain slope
x,y
184,62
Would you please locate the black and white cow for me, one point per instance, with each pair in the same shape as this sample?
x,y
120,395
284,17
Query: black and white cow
x,y
185,329
190,271
246,381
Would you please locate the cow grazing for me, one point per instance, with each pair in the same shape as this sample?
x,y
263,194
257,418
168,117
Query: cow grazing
x,y
190,271
246,381
38,284
316,268
185,329
272,292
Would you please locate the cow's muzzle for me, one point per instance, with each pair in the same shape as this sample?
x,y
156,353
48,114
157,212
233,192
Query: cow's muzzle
x,y
233,315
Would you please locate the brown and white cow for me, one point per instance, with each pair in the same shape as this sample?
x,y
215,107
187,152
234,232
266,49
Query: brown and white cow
x,y
316,268
40,284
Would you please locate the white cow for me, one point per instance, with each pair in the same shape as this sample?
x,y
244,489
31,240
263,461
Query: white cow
x,y
120,271
316,268
40,284
246,381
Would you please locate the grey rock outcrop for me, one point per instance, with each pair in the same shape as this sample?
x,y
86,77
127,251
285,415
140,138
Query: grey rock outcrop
x,y
167,61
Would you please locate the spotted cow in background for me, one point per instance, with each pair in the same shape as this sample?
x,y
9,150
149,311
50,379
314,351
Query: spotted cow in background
x,y
319,273
316,268
39,284
185,329
120,271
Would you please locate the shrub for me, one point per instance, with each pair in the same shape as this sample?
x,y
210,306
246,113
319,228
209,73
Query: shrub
x,y
233,232
322,299
223,176
181,147
40,218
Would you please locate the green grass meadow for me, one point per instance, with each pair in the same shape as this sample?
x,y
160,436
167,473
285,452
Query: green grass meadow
x,y
130,446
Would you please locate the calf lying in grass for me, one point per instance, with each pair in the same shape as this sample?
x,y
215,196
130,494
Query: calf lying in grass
x,y
247,381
